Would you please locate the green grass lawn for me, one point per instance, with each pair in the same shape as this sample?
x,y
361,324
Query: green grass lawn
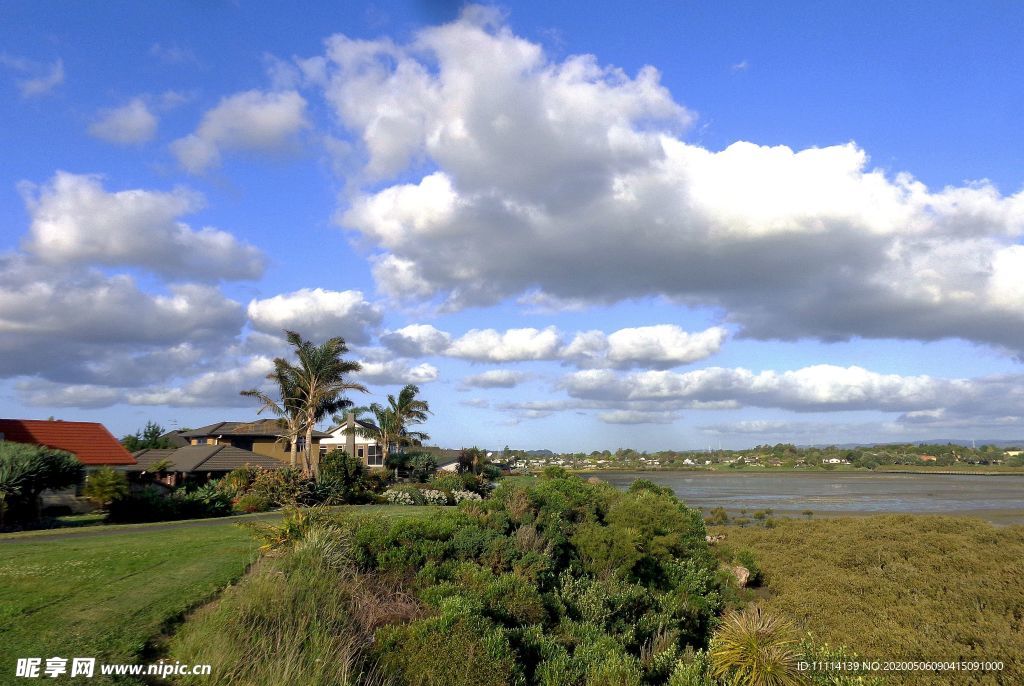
x,y
107,595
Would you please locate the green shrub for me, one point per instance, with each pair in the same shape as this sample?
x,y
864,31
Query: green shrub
x,y
148,505
151,504
28,470
284,487
421,466
456,648
558,581
452,482
746,558
238,481
718,517
343,478
104,486
253,502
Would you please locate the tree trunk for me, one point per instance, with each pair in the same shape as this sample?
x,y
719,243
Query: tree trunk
x,y
292,449
313,460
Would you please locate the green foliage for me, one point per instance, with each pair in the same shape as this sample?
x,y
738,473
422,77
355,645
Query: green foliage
x,y
152,504
301,618
746,558
754,648
105,485
343,478
149,437
28,470
421,466
464,481
718,517
283,487
249,503
457,647
902,587
298,522
238,481
557,581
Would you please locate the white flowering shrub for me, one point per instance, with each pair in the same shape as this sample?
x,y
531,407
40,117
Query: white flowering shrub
x,y
459,496
399,497
433,497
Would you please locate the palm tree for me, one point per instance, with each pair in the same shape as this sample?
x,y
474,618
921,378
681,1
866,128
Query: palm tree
x,y
392,421
319,379
311,389
288,409
409,410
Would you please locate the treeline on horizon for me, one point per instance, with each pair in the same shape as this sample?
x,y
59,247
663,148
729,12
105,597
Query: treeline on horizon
x,y
790,455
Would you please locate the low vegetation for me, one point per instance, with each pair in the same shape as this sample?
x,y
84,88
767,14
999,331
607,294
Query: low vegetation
x,y
25,472
109,595
554,582
899,587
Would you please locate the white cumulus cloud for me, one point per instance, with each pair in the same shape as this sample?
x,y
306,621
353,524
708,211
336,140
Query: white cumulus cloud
x,y
76,221
317,314
490,345
660,346
38,78
568,180
417,340
397,372
130,124
253,121
494,378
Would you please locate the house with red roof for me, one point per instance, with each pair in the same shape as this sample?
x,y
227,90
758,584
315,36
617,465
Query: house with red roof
x,y
90,442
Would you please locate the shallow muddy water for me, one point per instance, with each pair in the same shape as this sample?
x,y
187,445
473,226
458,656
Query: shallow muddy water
x,y
996,498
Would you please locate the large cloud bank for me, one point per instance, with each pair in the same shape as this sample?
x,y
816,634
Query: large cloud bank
x,y
575,180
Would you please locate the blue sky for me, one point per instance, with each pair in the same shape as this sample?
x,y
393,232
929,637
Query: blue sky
x,y
674,226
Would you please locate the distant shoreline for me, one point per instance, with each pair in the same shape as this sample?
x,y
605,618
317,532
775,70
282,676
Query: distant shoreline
x,y
994,471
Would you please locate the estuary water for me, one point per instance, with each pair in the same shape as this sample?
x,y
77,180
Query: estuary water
x,y
997,498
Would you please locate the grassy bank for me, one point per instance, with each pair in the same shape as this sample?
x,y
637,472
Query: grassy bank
x,y
107,596
900,587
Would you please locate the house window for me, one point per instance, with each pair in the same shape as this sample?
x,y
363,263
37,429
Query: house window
x,y
359,452
374,456
323,451
200,441
300,445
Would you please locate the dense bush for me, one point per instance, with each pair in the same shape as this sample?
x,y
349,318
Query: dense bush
x,y
561,581
421,466
249,503
342,476
557,582
465,481
153,505
28,470
104,486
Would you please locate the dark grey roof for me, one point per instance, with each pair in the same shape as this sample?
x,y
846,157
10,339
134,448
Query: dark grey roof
x,y
204,458
175,438
260,427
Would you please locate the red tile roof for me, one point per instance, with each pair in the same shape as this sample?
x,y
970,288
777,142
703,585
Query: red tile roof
x,y
90,442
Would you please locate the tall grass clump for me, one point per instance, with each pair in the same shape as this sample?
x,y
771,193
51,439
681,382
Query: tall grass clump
x,y
303,616
753,648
